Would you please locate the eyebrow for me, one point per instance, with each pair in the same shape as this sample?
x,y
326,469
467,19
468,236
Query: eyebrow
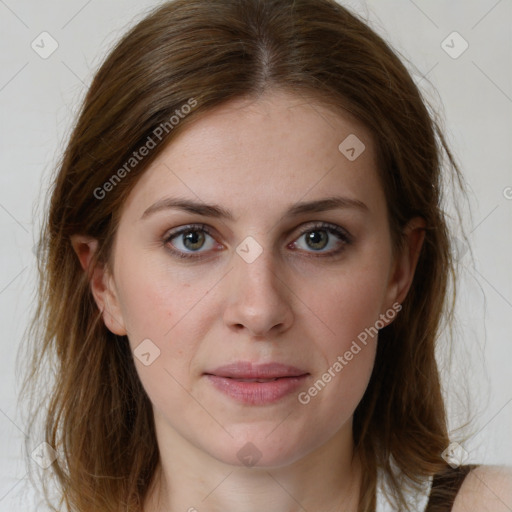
x,y
216,211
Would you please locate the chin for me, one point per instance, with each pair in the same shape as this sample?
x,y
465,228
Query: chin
x,y
259,447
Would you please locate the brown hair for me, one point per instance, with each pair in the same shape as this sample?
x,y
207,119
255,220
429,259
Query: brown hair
x,y
99,418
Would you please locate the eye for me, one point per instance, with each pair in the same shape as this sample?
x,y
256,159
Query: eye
x,y
326,239
321,239
188,240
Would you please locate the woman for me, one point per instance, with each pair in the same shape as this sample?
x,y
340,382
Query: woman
x,y
244,272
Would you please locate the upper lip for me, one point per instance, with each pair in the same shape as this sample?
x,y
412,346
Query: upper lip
x,y
248,370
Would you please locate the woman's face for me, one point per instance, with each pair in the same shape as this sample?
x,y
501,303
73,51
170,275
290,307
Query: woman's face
x,y
252,263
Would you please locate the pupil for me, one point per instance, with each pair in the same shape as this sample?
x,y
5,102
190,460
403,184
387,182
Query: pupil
x,y
317,239
193,239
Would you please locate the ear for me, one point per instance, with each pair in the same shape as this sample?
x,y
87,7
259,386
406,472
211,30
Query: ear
x,y
405,261
102,284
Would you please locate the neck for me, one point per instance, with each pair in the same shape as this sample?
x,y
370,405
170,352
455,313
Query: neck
x,y
188,479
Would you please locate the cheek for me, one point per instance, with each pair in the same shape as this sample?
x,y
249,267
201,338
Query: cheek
x,y
150,307
153,297
157,308
161,304
347,303
349,307
347,357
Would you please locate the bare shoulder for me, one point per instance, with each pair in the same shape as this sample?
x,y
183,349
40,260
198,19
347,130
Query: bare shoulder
x,y
486,489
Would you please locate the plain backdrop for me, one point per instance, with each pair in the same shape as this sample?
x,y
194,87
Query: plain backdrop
x,y
471,90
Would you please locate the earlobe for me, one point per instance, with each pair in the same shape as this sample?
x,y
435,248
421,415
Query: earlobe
x,y
101,283
406,259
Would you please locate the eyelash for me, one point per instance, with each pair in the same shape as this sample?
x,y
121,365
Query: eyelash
x,y
333,229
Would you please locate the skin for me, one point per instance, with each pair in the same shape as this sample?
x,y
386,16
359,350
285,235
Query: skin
x,y
486,489
293,304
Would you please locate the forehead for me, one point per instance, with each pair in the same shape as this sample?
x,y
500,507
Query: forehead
x,y
265,152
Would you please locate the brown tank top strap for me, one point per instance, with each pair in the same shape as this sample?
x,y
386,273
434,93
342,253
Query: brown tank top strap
x,y
445,486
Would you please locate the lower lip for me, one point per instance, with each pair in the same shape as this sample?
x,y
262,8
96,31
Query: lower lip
x,y
257,393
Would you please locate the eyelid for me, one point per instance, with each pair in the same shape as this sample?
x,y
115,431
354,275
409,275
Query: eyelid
x,y
187,227
327,226
344,236
170,235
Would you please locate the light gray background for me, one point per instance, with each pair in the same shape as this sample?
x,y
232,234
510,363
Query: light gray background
x,y
38,98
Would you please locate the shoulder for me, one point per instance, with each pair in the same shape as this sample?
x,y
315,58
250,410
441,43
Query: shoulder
x,y
486,489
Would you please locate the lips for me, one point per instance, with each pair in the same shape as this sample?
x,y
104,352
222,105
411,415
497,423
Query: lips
x,y
256,380
256,384
244,370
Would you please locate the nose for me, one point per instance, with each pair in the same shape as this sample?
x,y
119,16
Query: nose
x,y
258,298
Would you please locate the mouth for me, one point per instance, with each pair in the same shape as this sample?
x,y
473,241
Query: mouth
x,y
256,384
257,380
